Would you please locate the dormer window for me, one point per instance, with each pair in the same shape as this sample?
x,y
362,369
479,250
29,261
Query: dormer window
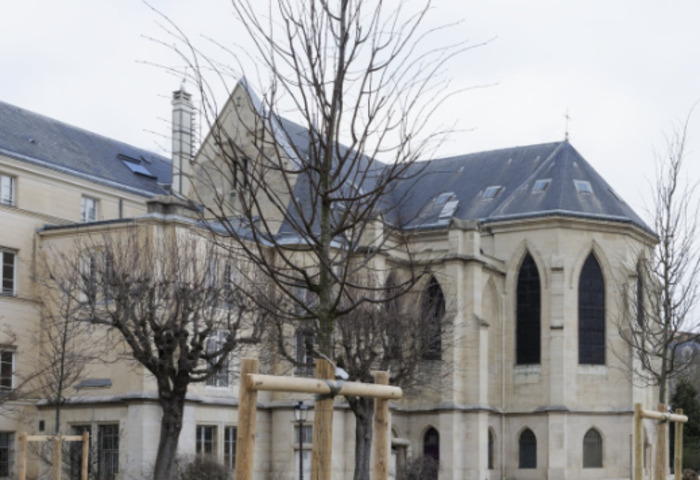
x,y
140,169
541,185
135,165
491,192
583,186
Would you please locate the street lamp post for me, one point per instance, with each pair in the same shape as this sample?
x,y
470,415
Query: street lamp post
x,y
300,412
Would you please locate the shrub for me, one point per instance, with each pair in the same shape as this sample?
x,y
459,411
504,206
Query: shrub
x,y
203,468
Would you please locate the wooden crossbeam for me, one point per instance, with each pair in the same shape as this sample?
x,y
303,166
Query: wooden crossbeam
x,y
663,416
273,383
57,451
326,389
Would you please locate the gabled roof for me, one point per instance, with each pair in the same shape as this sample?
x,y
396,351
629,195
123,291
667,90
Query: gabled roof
x,y
550,179
500,185
40,140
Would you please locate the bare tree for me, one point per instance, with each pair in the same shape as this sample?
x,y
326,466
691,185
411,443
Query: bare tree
x,y
63,352
173,300
667,282
307,201
404,335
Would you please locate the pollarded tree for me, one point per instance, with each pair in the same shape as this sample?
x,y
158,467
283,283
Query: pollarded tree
x,y
171,297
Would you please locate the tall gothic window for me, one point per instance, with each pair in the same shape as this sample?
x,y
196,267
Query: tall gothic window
x,y
527,454
432,312
591,314
527,328
592,449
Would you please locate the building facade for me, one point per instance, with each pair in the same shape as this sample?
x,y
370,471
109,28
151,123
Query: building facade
x,y
531,251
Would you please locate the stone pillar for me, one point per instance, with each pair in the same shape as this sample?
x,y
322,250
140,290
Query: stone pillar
x,y
557,345
556,465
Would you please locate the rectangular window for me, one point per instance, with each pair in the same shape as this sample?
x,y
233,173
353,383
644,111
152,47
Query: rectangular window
x,y
206,440
7,370
88,209
76,452
108,451
230,447
7,190
306,434
7,453
7,260
215,343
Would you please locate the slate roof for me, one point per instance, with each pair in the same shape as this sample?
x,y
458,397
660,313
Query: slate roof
x,y
40,140
486,187
459,187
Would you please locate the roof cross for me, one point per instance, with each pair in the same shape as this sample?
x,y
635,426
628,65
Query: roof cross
x,y
566,125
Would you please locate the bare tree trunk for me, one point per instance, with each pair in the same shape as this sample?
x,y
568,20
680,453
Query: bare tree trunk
x,y
170,426
363,408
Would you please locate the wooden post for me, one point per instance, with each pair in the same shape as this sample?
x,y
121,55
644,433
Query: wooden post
x,y
22,471
247,409
638,442
86,456
381,431
678,444
323,427
57,447
661,434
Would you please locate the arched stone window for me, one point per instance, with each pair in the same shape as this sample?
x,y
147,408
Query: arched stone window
x,y
528,306
591,314
592,449
432,313
527,452
431,454
492,449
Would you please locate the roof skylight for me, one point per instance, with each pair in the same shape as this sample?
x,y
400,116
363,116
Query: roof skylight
x,y
443,198
138,168
491,192
583,186
449,209
541,185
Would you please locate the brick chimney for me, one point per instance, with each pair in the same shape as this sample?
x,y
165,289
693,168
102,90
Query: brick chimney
x,y
183,140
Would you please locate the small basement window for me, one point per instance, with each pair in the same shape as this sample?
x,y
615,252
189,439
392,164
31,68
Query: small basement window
x,y
541,185
583,186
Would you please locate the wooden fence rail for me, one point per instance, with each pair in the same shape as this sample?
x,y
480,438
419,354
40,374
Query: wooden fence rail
x,y
326,388
57,452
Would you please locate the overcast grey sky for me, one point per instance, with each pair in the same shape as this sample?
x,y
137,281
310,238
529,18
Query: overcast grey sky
x,y
626,72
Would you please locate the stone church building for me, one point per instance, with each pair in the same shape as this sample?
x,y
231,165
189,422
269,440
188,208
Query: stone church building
x,y
531,250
